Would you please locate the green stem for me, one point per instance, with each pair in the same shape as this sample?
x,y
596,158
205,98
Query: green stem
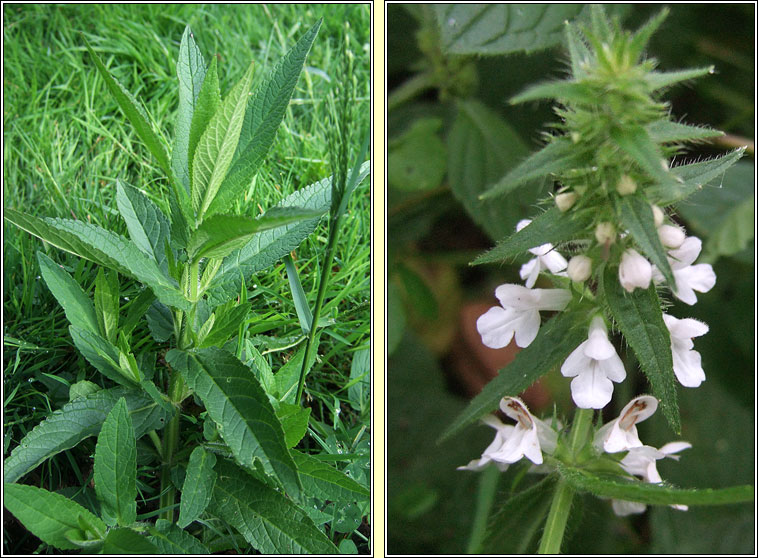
x,y
560,507
410,89
484,500
170,442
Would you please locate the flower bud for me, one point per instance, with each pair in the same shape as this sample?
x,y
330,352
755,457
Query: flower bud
x,y
605,232
657,215
565,200
671,236
579,268
634,271
626,186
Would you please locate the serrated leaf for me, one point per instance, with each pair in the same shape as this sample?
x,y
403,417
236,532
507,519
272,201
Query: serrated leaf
x,y
694,176
133,112
267,520
127,541
77,305
49,516
579,55
157,396
77,420
107,303
492,29
234,399
137,309
666,131
551,226
558,155
294,419
554,342
321,480
170,539
651,493
263,115
659,80
198,486
218,143
267,247
637,144
148,227
226,325
101,354
115,470
637,218
639,318
304,315
564,91
206,106
190,69
160,321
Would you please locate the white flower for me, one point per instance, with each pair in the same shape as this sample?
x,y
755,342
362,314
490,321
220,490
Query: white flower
x,y
545,258
595,365
687,366
688,278
528,438
605,232
579,268
621,433
519,314
565,200
671,236
634,271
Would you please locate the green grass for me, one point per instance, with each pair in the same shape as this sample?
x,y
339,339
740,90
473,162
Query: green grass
x,y
66,142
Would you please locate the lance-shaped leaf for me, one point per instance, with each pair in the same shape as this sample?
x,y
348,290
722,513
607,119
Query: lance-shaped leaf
x,y
198,486
304,315
321,480
565,91
554,342
637,217
556,156
115,469
641,37
637,144
148,227
220,235
137,309
48,515
552,226
651,493
659,80
77,420
101,354
579,55
216,147
127,541
226,324
190,69
170,539
133,112
639,318
206,106
107,303
235,400
263,115
77,305
666,131
294,419
267,520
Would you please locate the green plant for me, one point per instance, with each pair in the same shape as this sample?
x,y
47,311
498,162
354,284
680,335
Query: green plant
x,y
240,465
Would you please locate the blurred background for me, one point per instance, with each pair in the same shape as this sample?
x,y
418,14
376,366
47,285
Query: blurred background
x,y
451,133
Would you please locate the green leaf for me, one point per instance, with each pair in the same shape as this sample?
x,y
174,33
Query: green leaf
x,y
190,69
666,131
637,144
642,35
551,226
558,155
234,399
294,419
77,305
492,29
220,235
639,318
82,389
198,486
148,227
287,377
359,388
206,106
228,319
637,217
323,481
77,420
170,539
101,354
137,309
115,470
653,494
267,520
157,396
564,91
128,541
107,303
417,159
659,80
160,321
133,112
263,115
48,515
554,342
216,146
304,315
579,55
267,247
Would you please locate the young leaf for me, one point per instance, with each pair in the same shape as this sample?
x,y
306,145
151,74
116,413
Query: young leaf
x,y
77,420
206,106
170,539
304,315
48,515
101,354
107,303
666,131
554,342
294,419
638,317
136,310
157,396
564,91
226,324
234,399
579,54
115,470
160,321
198,486
267,520
263,115
637,144
134,113
190,69
127,541
77,305
659,80
148,227
323,481
216,146
287,377
358,391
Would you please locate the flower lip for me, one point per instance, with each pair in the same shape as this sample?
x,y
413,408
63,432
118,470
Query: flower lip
x,y
621,433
